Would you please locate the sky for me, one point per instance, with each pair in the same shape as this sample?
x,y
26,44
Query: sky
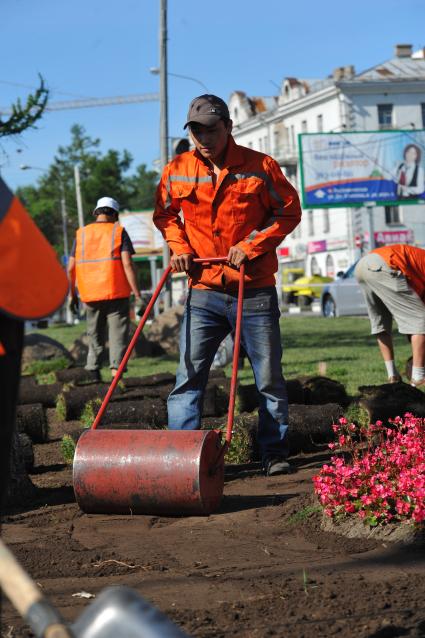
x,y
105,48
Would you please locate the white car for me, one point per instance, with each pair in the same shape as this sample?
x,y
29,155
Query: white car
x,y
343,296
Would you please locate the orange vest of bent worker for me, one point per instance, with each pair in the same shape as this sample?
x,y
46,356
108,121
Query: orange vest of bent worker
x,y
32,282
99,271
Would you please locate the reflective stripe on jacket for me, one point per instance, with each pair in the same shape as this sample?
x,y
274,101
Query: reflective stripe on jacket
x,y
409,260
252,206
32,282
99,270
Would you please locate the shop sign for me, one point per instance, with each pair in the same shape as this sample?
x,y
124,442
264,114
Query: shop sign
x,y
316,246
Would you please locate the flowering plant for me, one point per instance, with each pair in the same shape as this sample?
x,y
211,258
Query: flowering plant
x,y
379,473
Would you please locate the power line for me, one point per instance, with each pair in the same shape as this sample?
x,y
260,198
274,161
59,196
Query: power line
x,y
96,101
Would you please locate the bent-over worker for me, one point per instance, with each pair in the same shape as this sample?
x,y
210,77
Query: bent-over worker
x,y
393,283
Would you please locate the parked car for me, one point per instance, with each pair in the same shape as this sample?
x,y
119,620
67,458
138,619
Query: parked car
x,y
303,290
343,296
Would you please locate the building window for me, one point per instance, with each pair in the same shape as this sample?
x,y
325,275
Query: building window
x,y
276,142
392,215
385,116
249,144
330,266
292,129
326,222
266,144
314,265
310,223
320,123
260,144
235,112
304,128
423,114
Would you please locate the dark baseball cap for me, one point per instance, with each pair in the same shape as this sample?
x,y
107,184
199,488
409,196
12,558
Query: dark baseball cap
x,y
207,110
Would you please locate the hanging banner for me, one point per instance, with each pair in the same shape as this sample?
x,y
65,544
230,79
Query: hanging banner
x,y
352,169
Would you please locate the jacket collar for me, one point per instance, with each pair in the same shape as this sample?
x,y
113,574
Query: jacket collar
x,y
234,154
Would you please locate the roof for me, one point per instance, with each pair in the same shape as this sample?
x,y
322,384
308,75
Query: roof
x,y
262,104
395,69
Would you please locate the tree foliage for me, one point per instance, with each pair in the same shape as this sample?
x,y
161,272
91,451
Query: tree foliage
x,y
25,116
101,174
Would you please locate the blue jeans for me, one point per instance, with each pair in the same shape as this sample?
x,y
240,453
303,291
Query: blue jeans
x,y
209,316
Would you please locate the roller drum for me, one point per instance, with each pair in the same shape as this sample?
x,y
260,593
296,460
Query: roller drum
x,y
149,471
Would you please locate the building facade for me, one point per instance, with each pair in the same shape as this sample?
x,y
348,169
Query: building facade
x,y
387,96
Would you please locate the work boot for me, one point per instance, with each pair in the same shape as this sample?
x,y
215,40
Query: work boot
x,y
395,379
276,465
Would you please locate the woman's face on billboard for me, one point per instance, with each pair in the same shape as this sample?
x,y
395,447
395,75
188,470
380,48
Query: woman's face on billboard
x,y
411,155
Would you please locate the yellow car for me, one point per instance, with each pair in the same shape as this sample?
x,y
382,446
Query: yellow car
x,y
305,289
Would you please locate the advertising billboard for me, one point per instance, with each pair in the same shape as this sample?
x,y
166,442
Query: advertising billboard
x,y
352,169
145,237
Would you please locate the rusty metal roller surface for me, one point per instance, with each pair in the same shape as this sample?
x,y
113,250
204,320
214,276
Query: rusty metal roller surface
x,y
149,471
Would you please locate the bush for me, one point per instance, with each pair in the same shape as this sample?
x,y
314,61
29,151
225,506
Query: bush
x,y
379,474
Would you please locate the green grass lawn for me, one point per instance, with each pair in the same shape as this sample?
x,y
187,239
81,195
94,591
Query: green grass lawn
x,y
343,344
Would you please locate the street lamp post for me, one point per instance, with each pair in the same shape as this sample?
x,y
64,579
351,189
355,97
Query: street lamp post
x,y
64,221
163,126
78,195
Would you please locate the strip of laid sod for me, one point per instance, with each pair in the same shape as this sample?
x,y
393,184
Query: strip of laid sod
x,y
344,344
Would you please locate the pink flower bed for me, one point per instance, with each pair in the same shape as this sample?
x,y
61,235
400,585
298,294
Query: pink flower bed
x,y
377,473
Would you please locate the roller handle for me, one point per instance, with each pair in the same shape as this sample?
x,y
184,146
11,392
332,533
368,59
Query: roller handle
x,y
236,350
27,598
144,318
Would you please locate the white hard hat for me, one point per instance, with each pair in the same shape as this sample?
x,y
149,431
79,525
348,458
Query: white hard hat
x,y
107,202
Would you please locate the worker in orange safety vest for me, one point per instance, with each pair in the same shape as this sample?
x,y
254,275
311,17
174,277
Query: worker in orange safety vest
x,y
32,285
101,268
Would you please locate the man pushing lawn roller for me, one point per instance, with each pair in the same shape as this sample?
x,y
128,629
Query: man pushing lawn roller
x,y
235,202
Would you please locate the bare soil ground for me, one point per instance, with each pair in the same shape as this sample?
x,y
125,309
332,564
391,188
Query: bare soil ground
x,y
259,567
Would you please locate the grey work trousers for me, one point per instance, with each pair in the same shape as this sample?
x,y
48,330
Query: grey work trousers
x,y
388,294
113,313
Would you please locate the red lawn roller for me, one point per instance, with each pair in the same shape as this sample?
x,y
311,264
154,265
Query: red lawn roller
x,y
154,471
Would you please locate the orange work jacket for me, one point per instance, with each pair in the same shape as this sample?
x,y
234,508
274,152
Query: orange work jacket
x,y
252,206
32,282
99,271
409,260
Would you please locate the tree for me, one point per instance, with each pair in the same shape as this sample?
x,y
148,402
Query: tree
x,y
101,175
24,117
142,188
